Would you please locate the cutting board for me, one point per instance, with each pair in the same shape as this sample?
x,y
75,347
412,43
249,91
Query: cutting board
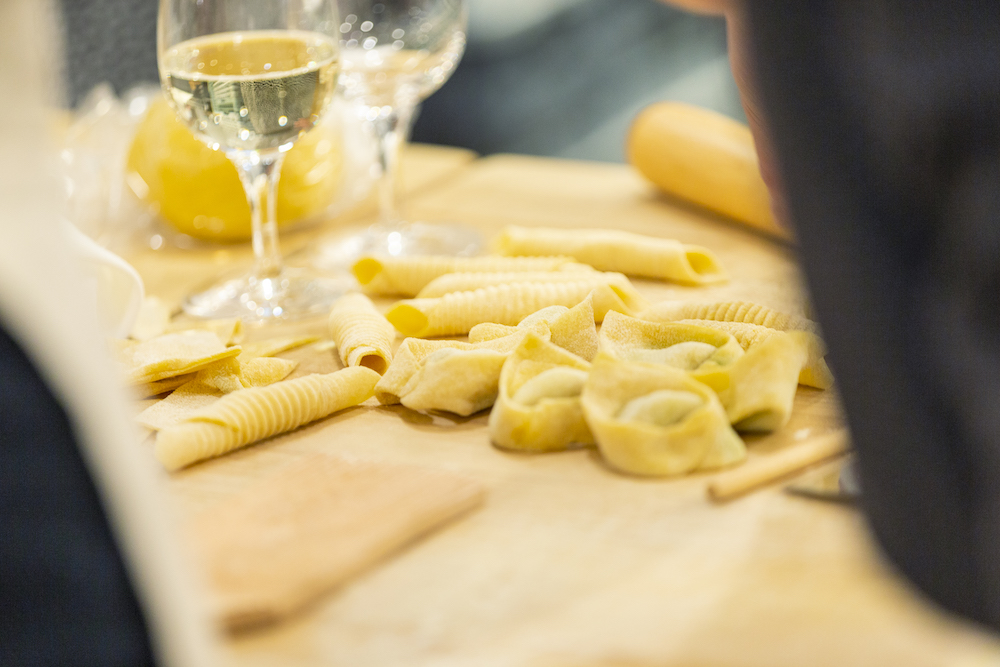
x,y
281,544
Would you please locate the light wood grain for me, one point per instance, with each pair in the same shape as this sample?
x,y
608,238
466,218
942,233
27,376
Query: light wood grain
x,y
278,546
570,564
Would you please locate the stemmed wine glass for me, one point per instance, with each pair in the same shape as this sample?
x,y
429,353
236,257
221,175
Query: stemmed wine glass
x,y
249,77
395,53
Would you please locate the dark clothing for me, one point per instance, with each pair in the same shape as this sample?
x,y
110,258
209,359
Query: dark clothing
x,y
65,597
885,117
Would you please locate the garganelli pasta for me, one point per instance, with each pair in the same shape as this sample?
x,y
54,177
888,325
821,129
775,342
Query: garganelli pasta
x,y
363,336
728,311
244,417
616,250
406,276
458,312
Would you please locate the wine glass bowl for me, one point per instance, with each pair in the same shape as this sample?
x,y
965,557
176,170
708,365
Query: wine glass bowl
x,y
248,78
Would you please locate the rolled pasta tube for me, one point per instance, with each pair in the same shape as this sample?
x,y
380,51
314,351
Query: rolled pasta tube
x,y
538,404
727,311
815,373
458,312
466,282
363,336
406,276
758,391
652,419
244,417
616,250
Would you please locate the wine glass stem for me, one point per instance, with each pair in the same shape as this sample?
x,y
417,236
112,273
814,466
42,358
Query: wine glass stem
x,y
259,172
390,128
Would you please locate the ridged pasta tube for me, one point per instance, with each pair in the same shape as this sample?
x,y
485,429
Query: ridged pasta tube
x,y
652,419
465,282
727,311
406,276
616,250
815,373
244,417
458,312
538,405
363,336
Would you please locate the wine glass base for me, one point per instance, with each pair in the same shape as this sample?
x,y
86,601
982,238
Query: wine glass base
x,y
293,294
405,240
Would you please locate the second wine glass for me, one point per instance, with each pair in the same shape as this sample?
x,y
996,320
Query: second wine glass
x,y
394,53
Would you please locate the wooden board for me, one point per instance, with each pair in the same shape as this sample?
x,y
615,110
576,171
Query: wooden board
x,y
570,564
274,548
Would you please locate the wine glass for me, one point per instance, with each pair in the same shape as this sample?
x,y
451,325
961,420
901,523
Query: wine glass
x,y
395,53
249,77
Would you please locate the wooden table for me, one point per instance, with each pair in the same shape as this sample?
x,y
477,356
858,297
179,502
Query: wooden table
x,y
570,564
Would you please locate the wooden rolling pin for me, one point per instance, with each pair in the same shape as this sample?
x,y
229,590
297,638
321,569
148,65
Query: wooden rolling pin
x,y
766,470
705,158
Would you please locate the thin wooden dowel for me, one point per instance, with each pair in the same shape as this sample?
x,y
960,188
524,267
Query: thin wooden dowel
x,y
733,483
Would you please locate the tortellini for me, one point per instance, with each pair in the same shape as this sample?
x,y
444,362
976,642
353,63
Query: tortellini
x,y
653,419
684,346
538,406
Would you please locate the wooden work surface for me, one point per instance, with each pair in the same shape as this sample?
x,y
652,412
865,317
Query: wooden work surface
x,y
569,564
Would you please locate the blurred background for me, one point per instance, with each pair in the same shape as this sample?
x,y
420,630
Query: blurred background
x,y
561,78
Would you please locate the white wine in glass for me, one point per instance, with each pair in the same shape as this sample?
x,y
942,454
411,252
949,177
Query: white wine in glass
x,y
395,53
249,77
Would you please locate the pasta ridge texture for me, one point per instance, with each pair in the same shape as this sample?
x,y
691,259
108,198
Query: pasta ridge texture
x,y
616,250
249,415
362,335
406,276
465,282
731,311
456,313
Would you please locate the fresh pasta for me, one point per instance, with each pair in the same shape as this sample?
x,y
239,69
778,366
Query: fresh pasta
x,y
727,311
570,328
458,312
363,336
465,282
244,417
616,250
815,372
406,276
684,346
538,405
652,419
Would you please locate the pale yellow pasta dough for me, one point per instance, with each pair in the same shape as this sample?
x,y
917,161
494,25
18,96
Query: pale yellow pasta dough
x,y
758,390
616,250
652,419
171,355
458,312
152,320
572,329
406,276
229,330
162,386
272,346
459,381
246,416
814,374
209,384
363,336
684,346
405,375
726,311
538,404
465,282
